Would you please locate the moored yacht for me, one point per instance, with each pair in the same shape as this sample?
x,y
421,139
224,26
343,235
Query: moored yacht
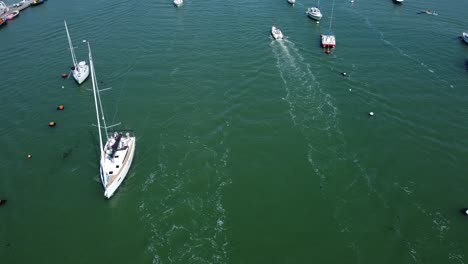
x,y
80,70
276,33
314,13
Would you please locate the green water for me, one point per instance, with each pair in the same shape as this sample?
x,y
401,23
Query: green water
x,y
248,150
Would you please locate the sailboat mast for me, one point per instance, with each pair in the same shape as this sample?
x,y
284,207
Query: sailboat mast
x,y
71,45
100,106
93,78
331,17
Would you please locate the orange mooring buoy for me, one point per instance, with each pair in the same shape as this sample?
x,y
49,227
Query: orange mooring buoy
x,y
52,124
64,75
60,107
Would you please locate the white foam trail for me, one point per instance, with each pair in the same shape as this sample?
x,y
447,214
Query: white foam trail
x,y
201,237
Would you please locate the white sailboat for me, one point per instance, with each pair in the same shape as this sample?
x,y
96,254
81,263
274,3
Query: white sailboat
x,y
80,70
329,40
314,12
116,155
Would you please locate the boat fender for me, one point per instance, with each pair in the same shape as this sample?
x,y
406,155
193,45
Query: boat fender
x,y
64,75
60,107
52,123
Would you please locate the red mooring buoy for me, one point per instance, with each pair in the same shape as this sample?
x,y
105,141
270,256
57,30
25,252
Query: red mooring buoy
x,y
60,107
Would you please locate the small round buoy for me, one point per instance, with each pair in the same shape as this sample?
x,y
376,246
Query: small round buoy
x,y
350,89
60,107
64,75
52,123
371,113
344,74
318,22
63,86
29,156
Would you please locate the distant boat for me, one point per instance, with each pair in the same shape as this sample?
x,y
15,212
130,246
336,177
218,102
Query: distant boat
x,y
12,15
116,155
429,12
80,70
465,37
3,21
314,13
292,2
276,33
178,3
37,2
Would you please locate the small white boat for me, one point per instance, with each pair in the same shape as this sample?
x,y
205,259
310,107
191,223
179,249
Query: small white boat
x,y
465,37
80,70
314,13
276,33
178,3
12,15
292,2
116,155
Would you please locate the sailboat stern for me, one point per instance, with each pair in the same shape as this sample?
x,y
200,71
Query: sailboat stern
x,y
118,156
81,72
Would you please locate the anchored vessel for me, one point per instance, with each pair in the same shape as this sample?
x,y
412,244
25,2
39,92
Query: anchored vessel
x,y
80,70
116,155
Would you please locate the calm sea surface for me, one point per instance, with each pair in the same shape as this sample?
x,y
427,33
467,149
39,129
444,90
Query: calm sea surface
x,y
249,150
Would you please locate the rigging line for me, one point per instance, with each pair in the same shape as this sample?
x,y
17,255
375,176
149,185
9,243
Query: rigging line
x,y
331,17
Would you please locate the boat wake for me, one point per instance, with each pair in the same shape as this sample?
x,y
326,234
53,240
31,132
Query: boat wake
x,y
183,209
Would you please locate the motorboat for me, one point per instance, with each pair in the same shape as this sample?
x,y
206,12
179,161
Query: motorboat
x,y
428,12
328,41
314,13
37,2
178,3
465,37
12,15
80,70
116,155
3,21
292,2
276,33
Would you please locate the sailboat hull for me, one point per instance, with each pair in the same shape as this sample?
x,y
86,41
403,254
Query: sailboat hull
x,y
119,166
81,72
